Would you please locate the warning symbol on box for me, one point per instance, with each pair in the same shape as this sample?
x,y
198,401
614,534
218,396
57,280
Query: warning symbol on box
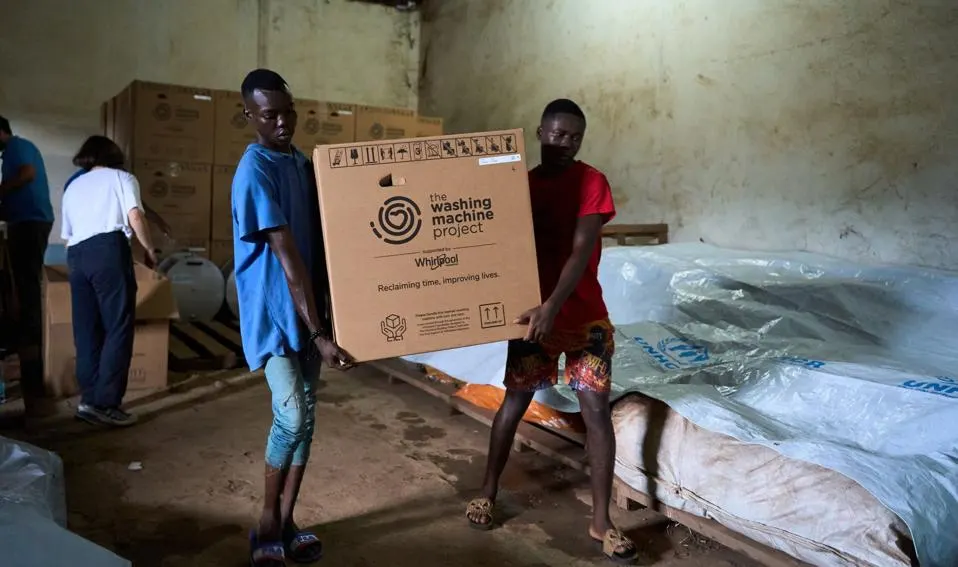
x,y
337,158
492,315
418,151
463,147
494,144
372,155
448,149
479,146
433,149
402,151
387,153
354,156
508,143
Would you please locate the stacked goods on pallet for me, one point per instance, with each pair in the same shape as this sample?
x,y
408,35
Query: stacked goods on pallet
x,y
166,133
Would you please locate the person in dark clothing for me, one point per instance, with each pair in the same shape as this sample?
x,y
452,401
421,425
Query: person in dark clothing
x,y
25,206
101,211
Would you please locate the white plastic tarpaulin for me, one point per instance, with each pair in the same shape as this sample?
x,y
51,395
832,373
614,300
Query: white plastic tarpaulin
x,y
847,366
33,513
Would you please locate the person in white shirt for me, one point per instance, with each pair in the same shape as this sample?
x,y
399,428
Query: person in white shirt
x,y
100,213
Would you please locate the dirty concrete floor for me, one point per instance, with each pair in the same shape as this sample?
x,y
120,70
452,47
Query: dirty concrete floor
x,y
389,475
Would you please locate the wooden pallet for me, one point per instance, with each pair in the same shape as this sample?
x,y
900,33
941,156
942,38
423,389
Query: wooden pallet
x,y
625,234
569,449
203,347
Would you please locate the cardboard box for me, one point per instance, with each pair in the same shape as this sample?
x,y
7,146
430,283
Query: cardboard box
x,y
181,193
232,132
221,252
155,306
222,209
427,126
323,123
429,242
154,121
379,123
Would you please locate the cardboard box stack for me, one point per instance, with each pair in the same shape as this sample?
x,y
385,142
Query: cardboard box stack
x,y
429,242
155,306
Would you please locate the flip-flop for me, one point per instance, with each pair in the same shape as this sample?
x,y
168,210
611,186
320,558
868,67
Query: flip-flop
x,y
617,547
303,547
265,554
482,508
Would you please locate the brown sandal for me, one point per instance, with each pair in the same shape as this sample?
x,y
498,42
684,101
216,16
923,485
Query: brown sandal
x,y
617,547
479,513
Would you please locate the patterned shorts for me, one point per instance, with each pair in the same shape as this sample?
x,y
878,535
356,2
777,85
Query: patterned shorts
x,y
531,367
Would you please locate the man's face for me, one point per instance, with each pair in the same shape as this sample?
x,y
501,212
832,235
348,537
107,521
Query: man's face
x,y
273,116
561,137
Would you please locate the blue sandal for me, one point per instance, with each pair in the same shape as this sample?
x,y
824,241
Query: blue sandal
x,y
303,547
265,554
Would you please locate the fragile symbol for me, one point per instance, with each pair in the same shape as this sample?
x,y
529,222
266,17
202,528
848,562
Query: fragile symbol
x,y
354,155
398,222
393,327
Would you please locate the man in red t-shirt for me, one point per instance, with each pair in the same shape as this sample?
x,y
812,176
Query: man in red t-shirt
x,y
571,201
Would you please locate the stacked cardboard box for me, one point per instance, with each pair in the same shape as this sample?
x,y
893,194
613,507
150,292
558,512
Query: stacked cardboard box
x,y
183,144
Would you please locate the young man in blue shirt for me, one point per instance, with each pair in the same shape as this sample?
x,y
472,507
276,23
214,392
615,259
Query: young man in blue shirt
x,y
281,286
26,208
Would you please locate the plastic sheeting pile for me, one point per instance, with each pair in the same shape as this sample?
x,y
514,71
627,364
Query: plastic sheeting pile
x,y
33,513
850,367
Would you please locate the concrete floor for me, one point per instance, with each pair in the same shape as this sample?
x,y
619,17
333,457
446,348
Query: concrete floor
x,y
389,476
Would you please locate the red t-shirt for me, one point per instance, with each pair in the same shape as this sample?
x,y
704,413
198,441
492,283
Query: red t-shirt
x,y
557,204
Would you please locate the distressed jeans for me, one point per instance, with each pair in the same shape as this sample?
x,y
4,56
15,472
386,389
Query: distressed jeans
x,y
292,382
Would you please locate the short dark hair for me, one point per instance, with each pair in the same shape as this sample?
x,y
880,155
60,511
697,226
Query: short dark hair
x,y
5,125
263,80
99,151
562,106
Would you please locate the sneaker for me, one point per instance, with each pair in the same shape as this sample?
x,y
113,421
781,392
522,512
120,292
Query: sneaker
x,y
111,416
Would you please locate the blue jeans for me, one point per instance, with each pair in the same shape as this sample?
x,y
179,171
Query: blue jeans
x,y
292,382
103,293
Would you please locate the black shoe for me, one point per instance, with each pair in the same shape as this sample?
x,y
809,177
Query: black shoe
x,y
114,417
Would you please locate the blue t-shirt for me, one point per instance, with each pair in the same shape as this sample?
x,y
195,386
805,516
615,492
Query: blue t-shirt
x,y
271,189
32,201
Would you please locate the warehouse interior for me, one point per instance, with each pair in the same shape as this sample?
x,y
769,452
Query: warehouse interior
x,y
780,269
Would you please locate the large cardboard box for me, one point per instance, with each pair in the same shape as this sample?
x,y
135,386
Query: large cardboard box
x,y
427,126
380,123
155,121
323,123
429,242
155,306
222,209
179,192
233,132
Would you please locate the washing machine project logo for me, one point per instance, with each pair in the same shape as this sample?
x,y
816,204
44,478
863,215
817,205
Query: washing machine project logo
x,y
675,353
239,120
162,112
398,222
376,131
393,327
159,189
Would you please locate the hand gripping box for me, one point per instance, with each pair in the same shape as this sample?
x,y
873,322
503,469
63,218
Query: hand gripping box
x,y
429,242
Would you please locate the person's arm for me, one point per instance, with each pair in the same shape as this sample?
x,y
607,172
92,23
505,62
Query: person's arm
x,y
15,160
588,230
133,205
298,279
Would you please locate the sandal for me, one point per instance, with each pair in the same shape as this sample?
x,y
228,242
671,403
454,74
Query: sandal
x,y
302,547
479,513
265,554
617,547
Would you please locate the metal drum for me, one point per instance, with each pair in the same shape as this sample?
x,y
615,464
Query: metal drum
x,y
198,284
231,300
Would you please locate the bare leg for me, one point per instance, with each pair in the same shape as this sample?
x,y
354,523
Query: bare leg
x,y
600,441
270,525
294,479
503,433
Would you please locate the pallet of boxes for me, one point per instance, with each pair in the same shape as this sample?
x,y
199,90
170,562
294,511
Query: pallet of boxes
x,y
183,144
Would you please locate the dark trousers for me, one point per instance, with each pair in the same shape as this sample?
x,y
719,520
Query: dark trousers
x,y
103,291
27,243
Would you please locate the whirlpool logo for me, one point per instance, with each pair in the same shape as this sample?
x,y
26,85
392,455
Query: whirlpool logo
x,y
398,222
675,353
